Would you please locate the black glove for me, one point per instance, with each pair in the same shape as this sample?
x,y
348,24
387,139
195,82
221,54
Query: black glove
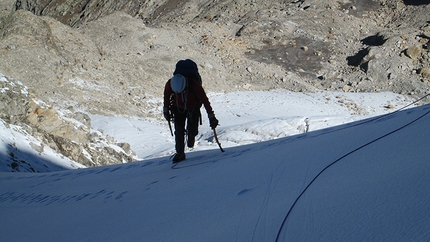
x,y
213,122
166,113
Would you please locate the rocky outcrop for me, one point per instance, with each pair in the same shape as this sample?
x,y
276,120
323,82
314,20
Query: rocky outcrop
x,y
239,45
76,12
69,133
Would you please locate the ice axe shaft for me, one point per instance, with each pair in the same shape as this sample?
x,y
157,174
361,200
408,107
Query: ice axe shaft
x,y
171,118
217,141
170,127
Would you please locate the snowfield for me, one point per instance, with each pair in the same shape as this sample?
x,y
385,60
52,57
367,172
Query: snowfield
x,y
251,117
297,167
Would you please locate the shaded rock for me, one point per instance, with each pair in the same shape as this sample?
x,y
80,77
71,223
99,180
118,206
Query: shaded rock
x,y
13,101
77,12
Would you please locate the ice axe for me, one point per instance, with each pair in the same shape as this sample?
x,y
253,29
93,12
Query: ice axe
x,y
170,127
171,119
217,141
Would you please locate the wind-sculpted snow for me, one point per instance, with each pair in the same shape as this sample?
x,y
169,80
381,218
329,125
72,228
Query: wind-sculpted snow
x,y
362,181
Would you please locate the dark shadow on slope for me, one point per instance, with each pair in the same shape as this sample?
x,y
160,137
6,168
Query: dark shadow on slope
x,y
374,40
357,60
416,2
166,10
16,160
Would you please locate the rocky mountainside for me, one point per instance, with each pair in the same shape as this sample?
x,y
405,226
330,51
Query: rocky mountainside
x,y
67,132
76,52
113,57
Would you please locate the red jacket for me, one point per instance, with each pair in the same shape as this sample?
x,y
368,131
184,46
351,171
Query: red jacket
x,y
193,95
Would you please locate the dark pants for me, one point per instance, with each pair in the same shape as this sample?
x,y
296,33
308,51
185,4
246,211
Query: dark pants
x,y
191,118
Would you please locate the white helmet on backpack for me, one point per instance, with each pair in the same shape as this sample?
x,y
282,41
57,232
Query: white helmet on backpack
x,y
178,83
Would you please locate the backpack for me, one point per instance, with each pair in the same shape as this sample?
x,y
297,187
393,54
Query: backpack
x,y
188,68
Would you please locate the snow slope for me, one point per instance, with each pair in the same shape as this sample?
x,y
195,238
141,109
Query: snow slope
x,y
251,117
21,152
362,181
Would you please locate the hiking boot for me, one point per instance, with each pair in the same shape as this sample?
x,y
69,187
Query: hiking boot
x,y
178,157
191,141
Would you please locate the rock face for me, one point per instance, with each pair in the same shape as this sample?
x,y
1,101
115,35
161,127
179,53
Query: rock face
x,y
73,139
77,12
113,57
132,46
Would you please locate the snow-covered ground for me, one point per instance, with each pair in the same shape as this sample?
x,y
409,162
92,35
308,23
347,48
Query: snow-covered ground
x,y
251,117
366,180
25,150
